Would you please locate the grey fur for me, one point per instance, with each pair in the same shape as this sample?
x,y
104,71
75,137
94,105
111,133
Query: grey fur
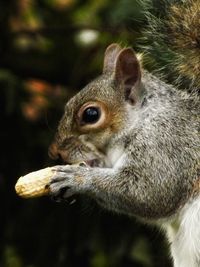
x,y
160,139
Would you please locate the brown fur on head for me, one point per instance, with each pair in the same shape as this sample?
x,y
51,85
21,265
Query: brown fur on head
x,y
98,111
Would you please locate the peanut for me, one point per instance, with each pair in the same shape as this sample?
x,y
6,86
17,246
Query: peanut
x,y
34,184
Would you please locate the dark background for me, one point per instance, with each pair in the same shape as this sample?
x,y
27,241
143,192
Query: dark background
x,y
49,49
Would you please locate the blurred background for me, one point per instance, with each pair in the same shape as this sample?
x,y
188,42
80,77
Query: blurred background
x,y
49,49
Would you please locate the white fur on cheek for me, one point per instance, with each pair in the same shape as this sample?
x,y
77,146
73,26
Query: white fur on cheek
x,y
185,239
115,157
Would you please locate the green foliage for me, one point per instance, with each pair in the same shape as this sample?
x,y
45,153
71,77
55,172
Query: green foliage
x,y
48,50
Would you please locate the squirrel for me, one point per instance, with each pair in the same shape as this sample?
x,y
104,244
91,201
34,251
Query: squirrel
x,y
140,138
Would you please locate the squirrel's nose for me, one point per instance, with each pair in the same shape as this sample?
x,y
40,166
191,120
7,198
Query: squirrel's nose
x,y
55,153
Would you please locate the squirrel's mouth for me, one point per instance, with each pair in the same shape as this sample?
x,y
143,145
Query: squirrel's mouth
x,y
68,156
93,162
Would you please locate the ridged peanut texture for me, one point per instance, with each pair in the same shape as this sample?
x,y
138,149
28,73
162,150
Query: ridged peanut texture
x,y
35,183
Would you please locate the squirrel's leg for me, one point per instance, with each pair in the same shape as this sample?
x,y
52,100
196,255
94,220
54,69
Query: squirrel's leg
x,y
122,189
114,189
100,183
184,236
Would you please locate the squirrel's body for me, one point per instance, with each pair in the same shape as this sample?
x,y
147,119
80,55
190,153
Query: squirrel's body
x,y
153,127
141,140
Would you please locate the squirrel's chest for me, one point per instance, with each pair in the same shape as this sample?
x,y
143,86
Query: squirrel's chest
x,y
115,156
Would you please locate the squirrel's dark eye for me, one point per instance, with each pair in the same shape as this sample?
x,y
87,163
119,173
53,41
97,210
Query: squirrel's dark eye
x,y
91,115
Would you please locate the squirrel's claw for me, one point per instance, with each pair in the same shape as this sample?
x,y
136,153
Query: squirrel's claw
x,y
65,182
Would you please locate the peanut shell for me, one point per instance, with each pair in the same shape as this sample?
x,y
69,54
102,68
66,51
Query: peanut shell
x,y
34,184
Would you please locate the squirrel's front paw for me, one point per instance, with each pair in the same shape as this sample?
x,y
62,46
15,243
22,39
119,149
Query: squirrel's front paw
x,y
59,189
67,181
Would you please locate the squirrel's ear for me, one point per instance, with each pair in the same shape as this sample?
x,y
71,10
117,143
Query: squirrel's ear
x,y
128,73
110,56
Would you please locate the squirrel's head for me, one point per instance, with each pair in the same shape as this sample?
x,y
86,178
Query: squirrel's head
x,y
99,111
